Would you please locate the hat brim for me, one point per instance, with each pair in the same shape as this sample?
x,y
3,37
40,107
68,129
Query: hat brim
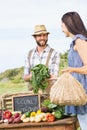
x,y
38,33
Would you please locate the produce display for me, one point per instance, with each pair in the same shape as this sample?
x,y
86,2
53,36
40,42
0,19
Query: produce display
x,y
48,113
40,74
11,117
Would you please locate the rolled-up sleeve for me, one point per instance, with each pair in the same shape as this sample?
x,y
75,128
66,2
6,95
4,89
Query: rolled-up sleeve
x,y
26,67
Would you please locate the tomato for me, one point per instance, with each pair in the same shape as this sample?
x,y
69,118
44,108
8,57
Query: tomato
x,y
7,114
50,117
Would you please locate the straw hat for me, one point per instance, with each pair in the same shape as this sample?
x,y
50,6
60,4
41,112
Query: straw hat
x,y
40,29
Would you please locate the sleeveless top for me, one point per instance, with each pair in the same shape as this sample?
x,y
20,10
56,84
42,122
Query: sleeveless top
x,y
74,60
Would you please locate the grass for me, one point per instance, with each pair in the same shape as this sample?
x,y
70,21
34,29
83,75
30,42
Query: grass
x,y
8,87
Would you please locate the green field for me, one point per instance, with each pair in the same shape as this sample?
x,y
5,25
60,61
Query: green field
x,y
11,81
9,87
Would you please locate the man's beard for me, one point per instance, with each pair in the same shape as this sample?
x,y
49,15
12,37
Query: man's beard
x,y
38,43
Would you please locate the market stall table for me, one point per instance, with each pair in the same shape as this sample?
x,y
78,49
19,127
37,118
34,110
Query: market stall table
x,y
63,124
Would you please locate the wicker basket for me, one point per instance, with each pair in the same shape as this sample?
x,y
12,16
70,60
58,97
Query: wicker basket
x,y
68,91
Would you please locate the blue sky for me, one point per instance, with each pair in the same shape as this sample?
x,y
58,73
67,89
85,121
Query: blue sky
x,y
17,21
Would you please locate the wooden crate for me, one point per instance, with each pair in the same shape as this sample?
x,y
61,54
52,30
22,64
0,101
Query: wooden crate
x,y
6,99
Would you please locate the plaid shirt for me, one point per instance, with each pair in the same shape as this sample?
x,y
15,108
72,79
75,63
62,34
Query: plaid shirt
x,y
35,59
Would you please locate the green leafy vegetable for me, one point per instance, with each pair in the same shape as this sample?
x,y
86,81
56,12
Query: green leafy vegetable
x,y
40,73
58,110
58,114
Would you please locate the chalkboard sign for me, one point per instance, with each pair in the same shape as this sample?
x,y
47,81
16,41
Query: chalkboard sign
x,y
26,103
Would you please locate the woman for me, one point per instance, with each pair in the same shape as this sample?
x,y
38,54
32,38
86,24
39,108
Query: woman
x,y
73,27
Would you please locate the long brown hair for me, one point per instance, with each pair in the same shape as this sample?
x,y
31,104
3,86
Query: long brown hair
x,y
74,23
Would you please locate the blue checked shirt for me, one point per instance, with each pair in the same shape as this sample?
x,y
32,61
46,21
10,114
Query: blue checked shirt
x,y
35,59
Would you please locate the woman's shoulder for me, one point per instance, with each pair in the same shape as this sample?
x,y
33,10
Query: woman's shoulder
x,y
76,38
81,43
79,36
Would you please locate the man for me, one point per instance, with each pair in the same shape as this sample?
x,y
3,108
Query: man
x,y
42,54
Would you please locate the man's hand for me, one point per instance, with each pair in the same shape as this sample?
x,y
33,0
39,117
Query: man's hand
x,y
53,77
27,78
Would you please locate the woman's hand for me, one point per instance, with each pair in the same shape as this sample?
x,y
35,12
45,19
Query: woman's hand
x,y
69,70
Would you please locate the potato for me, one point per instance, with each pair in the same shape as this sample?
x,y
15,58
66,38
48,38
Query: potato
x,y
26,119
23,117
